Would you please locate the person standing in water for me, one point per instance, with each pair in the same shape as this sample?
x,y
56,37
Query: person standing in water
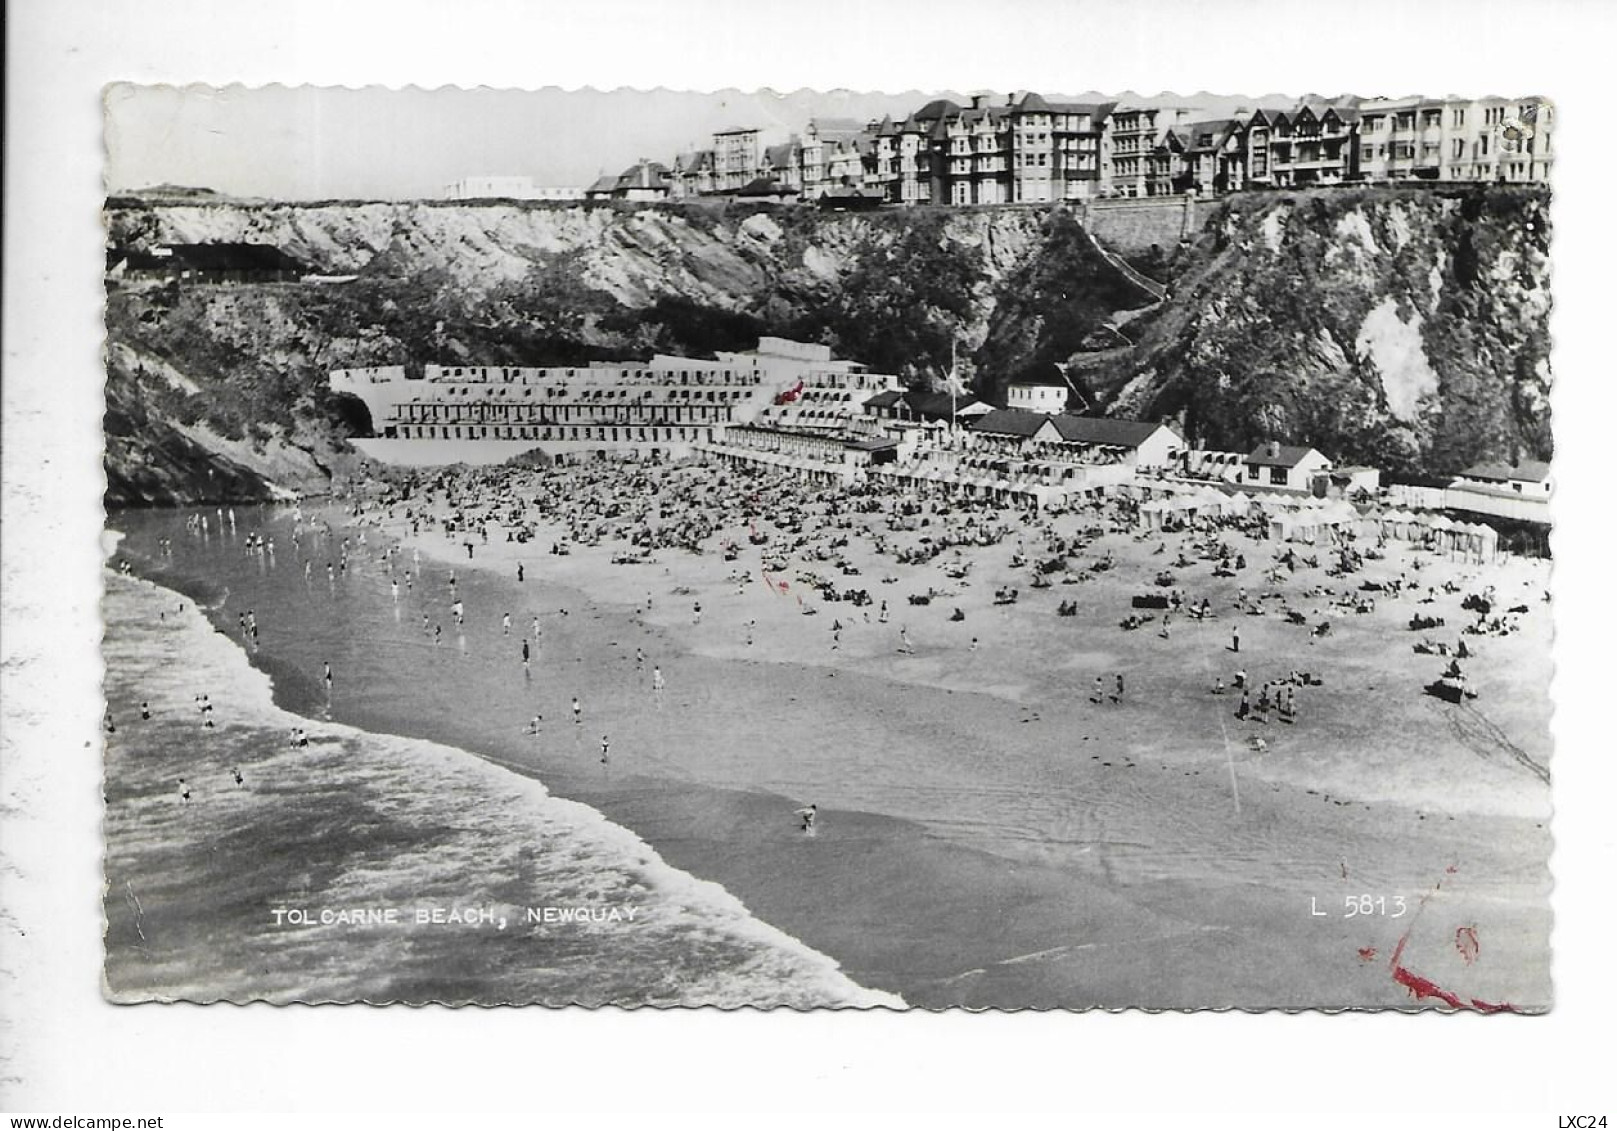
x,y
578,712
806,815
606,747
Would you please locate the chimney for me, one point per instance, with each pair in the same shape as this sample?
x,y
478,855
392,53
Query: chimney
x,y
980,101
1274,449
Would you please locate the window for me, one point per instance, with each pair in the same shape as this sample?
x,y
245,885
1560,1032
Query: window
x,y
1459,148
1458,117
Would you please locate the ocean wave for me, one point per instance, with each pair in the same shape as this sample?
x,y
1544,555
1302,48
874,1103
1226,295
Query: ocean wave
x,y
202,890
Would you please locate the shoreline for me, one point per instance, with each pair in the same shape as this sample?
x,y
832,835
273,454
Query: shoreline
x,y
903,882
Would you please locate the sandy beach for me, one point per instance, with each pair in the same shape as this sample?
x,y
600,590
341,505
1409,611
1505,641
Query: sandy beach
x,y
988,834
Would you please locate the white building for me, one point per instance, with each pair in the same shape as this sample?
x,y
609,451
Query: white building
x,y
510,188
1284,466
1031,397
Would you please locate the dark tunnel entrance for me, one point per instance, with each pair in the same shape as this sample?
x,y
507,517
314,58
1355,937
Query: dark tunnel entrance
x,y
353,415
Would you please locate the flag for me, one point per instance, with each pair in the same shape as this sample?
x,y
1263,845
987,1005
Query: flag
x,y
953,383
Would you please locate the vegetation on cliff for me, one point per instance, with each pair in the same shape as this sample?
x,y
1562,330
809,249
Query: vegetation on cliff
x,y
1403,328
1406,329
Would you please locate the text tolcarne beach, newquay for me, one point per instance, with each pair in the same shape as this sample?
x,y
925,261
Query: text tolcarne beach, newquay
x,y
498,918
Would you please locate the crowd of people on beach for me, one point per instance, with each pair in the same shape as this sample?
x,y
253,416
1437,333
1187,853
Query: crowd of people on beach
x,y
817,541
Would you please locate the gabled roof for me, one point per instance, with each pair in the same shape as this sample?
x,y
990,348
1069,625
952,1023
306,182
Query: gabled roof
x,y
885,399
1011,422
936,406
643,175
938,108
1278,455
1107,430
602,184
1032,103
1205,137
1525,471
694,162
782,154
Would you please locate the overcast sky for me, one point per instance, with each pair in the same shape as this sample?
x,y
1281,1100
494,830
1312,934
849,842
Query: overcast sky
x,y
310,143
317,142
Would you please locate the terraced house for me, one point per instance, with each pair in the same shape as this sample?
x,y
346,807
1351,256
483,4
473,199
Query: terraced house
x,y
1026,149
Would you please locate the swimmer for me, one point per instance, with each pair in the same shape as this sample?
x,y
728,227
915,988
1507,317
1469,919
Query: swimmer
x,y
235,773
185,793
606,747
578,711
656,679
145,710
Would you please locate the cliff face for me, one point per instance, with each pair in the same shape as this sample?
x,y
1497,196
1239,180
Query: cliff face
x,y
1407,330
1401,325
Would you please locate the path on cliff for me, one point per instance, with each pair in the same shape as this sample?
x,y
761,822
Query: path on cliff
x,y
1156,290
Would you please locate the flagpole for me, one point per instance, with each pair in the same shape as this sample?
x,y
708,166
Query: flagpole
x,y
954,384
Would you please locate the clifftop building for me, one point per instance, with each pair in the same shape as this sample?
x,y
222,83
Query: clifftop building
x,y
1027,149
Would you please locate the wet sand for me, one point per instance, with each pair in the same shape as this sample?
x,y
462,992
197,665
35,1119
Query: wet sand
x,y
1022,847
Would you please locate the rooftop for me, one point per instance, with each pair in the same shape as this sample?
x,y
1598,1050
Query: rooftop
x,y
1525,471
1279,455
1106,430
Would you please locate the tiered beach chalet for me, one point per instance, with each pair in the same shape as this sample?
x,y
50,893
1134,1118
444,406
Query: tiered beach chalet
x,y
818,426
1135,444
1040,458
660,408
1519,491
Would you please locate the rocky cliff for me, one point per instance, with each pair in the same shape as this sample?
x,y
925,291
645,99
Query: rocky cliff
x,y
1407,328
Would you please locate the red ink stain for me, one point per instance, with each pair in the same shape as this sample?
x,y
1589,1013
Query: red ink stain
x,y
791,394
1421,988
1465,940
1451,869
1367,954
